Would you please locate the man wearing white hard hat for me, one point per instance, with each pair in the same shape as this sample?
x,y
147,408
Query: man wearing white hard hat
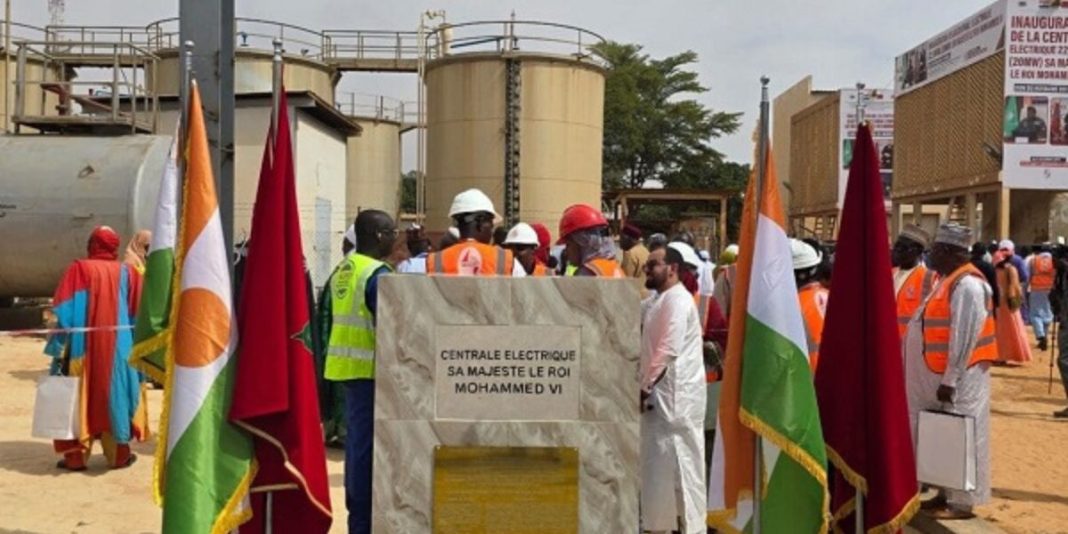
x,y
673,400
713,326
473,215
522,240
811,293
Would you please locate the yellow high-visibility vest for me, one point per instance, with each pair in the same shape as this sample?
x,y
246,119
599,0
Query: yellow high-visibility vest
x,y
351,352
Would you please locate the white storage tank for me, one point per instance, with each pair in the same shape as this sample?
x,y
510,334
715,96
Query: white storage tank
x,y
54,190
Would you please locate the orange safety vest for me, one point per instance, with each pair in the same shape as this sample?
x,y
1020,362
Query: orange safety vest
x,y
936,324
1042,273
813,299
910,297
605,268
471,258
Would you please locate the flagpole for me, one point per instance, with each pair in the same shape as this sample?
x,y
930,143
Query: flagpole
x,y
183,103
858,515
761,173
276,102
276,85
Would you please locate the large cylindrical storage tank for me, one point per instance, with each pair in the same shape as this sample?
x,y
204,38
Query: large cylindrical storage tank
x,y
373,168
560,126
252,74
54,190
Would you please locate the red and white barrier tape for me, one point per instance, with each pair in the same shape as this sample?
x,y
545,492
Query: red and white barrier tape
x,y
52,331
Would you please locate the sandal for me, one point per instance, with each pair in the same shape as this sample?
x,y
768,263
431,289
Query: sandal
x,y
62,464
938,501
129,461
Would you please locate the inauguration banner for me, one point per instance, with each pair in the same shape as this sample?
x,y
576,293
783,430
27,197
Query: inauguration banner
x,y
878,109
1035,154
969,41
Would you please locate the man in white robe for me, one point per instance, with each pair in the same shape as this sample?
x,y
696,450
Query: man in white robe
x,y
963,388
673,402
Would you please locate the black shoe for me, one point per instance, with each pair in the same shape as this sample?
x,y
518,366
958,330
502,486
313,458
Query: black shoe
x,y
1063,414
1042,346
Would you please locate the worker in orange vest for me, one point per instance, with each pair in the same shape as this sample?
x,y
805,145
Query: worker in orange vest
x,y
1043,274
913,281
473,215
587,244
522,240
812,294
949,347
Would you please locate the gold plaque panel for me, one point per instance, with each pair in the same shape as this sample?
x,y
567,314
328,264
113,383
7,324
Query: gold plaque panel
x,y
506,490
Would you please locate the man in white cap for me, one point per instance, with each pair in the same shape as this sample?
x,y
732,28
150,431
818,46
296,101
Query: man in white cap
x,y
948,349
913,281
812,295
522,240
473,215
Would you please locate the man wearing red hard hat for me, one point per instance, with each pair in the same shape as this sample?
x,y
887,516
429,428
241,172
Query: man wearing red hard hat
x,y
588,246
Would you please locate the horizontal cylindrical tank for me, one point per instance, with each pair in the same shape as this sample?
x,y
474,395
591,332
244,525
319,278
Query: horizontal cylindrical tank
x,y
54,190
560,126
253,71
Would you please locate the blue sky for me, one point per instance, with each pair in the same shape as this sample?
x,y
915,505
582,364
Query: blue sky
x,y
839,42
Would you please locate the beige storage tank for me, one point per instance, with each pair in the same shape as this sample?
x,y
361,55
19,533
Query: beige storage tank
x,y
373,168
252,74
38,102
303,55
559,119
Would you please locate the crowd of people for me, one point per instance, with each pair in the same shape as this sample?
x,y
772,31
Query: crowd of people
x,y
961,307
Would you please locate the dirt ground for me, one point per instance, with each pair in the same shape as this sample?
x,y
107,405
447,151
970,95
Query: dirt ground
x,y
1030,467
1028,446
37,497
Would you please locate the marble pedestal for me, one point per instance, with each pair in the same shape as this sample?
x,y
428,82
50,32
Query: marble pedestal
x,y
415,315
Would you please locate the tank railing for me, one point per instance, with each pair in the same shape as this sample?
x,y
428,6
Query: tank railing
x,y
249,33
143,100
371,44
514,36
20,31
367,106
411,114
87,41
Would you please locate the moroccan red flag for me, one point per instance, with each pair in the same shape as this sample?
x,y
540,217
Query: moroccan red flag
x,y
275,395
860,384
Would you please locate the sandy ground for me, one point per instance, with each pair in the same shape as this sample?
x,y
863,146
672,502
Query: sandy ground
x,y
1029,450
37,497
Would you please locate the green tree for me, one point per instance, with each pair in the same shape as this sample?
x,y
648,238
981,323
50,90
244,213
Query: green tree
x,y
407,192
651,129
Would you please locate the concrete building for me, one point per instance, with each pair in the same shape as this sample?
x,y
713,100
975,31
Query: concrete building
x,y
320,134
783,109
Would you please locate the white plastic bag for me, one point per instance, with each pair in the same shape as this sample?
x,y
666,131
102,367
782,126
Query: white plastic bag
x,y
945,451
56,408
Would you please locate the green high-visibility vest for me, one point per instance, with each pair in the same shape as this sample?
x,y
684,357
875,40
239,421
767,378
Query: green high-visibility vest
x,y
351,352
